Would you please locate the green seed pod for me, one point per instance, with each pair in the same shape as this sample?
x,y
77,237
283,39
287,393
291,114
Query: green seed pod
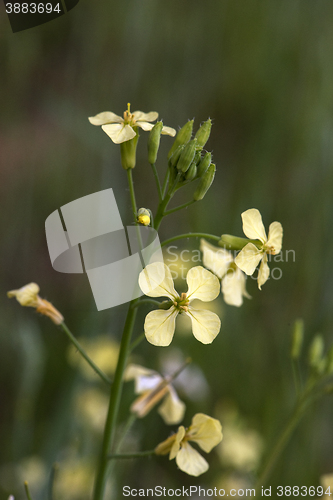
x,y
205,183
128,151
192,172
203,133
154,142
175,157
204,164
297,339
316,352
187,156
183,136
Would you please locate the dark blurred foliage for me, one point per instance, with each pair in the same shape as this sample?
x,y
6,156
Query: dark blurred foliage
x,y
263,71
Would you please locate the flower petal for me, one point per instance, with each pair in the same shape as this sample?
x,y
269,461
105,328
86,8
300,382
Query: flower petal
x,y
202,284
275,234
168,131
160,326
146,117
156,281
27,295
263,272
252,225
233,287
215,259
104,118
118,132
145,125
178,439
205,324
172,409
248,258
205,431
190,461
145,379
165,447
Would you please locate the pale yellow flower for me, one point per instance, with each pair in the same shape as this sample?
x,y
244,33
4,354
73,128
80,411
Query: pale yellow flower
x,y
327,483
153,388
221,263
205,431
250,256
121,129
156,281
28,296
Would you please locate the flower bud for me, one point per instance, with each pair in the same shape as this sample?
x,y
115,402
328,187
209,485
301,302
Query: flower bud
x,y
204,164
203,133
183,136
173,160
192,172
154,142
143,216
316,352
197,157
187,156
297,339
231,242
128,151
205,183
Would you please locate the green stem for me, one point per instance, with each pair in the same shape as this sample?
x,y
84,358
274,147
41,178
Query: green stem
x,y
83,353
281,443
143,302
138,454
27,492
190,235
158,184
180,207
165,182
164,203
115,397
132,193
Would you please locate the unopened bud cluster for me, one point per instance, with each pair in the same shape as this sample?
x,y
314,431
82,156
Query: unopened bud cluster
x,y
188,161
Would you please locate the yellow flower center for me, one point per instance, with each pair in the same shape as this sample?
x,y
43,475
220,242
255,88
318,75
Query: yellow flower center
x,y
128,116
269,249
181,303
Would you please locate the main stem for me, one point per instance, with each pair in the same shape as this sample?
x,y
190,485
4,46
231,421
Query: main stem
x,y
280,444
114,403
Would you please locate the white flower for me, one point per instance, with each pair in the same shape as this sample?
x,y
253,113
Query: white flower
x,y
153,388
121,129
250,256
221,263
205,431
156,281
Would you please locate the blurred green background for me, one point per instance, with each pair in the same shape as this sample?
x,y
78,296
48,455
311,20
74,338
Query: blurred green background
x,y
263,71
